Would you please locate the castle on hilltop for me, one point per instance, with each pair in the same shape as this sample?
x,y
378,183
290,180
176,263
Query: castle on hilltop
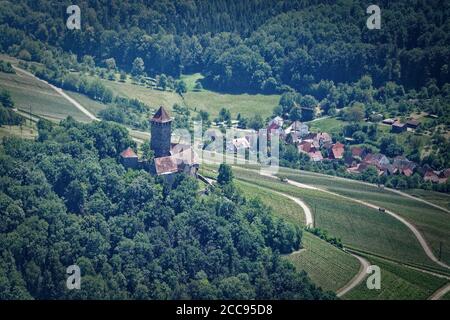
x,y
169,158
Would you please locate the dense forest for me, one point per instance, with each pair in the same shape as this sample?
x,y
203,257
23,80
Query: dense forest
x,y
66,199
255,45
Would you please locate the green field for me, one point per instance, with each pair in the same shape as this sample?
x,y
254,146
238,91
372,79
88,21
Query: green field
x,y
245,104
28,92
27,131
434,223
91,105
329,125
191,79
358,226
439,198
446,296
281,206
397,283
328,266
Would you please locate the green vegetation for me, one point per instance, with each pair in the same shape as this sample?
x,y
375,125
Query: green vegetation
x,y
6,66
329,267
282,206
356,225
29,93
66,199
439,198
434,223
446,296
397,283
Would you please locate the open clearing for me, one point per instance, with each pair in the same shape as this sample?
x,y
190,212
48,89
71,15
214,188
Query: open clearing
x,y
245,104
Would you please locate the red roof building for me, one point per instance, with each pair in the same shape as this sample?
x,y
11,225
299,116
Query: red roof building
x,y
128,153
337,151
165,165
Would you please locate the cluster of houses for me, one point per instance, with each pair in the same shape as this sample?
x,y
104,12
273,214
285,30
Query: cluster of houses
x,y
171,158
358,159
398,127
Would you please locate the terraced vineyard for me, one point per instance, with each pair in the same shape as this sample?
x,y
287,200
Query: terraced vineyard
x,y
358,226
328,266
432,222
28,92
398,283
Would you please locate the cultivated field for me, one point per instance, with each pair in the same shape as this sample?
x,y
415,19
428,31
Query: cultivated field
x,y
328,266
358,226
28,92
432,222
397,283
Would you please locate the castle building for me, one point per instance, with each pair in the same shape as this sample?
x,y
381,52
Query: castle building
x,y
161,125
170,158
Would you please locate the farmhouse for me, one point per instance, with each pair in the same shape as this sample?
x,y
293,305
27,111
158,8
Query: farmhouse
x,y
398,127
412,124
337,151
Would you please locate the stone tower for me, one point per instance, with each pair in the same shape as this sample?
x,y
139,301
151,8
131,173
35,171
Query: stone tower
x,y
161,131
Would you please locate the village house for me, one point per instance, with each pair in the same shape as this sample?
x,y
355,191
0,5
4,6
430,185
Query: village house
x,y
403,166
298,127
389,122
337,151
358,153
412,124
398,127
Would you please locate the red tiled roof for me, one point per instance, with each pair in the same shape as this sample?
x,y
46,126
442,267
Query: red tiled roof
x,y
128,153
165,165
316,156
161,116
338,150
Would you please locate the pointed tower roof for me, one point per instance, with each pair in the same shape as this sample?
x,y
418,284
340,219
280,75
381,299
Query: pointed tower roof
x,y
128,153
161,116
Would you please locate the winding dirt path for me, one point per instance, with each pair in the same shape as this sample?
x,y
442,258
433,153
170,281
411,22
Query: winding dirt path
x,y
440,292
61,93
358,278
309,219
410,226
